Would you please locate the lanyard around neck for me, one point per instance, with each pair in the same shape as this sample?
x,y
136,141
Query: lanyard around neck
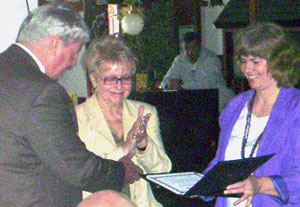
x,y
247,129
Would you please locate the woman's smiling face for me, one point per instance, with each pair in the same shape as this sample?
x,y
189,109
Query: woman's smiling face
x,y
114,94
256,71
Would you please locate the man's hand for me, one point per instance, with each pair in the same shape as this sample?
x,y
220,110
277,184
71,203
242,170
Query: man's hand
x,y
175,84
132,171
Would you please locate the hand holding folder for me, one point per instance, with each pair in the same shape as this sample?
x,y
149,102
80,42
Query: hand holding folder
x,y
214,182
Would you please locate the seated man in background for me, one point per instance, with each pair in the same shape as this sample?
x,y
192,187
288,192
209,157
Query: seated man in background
x,y
106,198
197,68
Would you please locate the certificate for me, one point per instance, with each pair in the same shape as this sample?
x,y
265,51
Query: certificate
x,y
214,182
178,183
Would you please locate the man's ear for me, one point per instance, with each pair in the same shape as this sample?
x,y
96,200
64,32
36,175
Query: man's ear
x,y
55,45
51,54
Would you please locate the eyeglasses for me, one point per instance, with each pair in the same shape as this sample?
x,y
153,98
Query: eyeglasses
x,y
113,80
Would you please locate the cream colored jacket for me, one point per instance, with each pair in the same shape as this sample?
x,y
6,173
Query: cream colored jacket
x,y
95,133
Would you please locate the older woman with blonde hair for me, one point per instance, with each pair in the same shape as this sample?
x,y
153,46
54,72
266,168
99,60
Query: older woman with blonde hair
x,y
113,126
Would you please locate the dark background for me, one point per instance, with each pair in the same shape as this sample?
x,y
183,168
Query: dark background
x,y
189,129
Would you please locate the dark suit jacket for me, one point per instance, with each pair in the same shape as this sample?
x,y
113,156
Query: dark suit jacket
x,y
43,163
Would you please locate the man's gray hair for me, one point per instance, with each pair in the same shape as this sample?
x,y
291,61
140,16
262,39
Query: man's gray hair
x,y
54,19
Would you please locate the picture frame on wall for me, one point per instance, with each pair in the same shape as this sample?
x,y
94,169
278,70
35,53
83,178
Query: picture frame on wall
x,y
76,4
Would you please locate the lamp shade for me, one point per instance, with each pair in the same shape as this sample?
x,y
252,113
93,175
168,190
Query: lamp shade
x,y
132,23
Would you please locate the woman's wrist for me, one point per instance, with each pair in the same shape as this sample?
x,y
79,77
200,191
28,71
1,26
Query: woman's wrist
x,y
267,186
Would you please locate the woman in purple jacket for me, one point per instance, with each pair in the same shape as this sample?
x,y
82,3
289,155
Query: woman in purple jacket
x,y
264,120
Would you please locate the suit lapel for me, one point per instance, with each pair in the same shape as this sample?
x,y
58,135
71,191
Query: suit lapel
x,y
98,121
21,57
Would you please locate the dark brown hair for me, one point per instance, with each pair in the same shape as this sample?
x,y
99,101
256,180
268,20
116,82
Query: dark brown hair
x,y
272,43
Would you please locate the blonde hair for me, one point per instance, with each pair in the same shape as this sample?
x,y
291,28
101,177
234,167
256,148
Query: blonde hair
x,y
108,49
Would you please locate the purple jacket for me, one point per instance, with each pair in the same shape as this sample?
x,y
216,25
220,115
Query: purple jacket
x,y
281,136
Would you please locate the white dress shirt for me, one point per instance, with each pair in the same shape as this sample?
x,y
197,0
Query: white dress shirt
x,y
205,73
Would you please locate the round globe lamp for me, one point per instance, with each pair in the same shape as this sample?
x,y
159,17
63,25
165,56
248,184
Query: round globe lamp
x,y
132,23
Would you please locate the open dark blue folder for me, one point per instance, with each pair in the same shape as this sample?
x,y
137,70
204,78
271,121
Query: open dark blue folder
x,y
214,182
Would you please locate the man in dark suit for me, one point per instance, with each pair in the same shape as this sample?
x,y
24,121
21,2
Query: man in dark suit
x,y
43,163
